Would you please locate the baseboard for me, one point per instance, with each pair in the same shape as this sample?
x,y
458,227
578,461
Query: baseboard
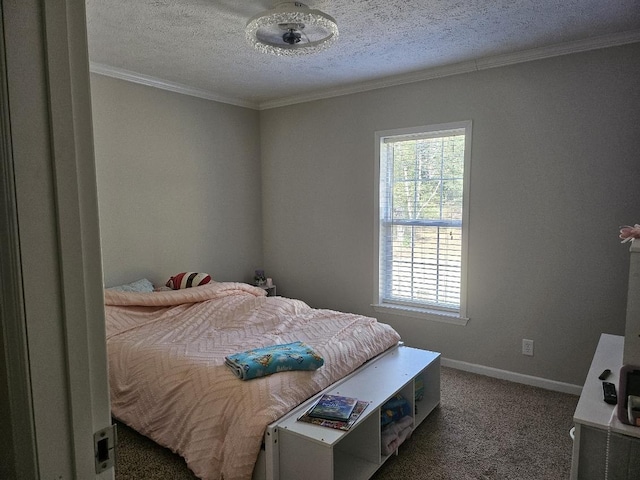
x,y
513,376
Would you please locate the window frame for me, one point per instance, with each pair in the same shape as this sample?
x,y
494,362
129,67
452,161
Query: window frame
x,y
458,317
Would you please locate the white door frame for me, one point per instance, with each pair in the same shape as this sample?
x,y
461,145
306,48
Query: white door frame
x,y
52,337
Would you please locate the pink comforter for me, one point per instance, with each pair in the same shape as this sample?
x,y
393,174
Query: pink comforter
x,y
168,379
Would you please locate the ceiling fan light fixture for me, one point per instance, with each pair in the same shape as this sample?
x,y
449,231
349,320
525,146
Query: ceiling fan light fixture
x,y
291,29
291,36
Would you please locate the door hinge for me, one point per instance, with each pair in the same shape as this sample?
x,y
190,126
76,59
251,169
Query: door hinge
x,y
104,444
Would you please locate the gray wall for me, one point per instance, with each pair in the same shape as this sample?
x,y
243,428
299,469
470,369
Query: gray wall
x,y
555,170
178,184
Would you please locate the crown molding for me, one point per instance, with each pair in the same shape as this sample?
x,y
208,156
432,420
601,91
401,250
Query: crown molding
x,y
129,76
485,63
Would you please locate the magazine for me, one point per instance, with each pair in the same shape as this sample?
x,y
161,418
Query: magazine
x,y
338,424
333,407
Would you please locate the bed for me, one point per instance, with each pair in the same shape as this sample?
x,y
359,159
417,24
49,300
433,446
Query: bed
x,y
168,378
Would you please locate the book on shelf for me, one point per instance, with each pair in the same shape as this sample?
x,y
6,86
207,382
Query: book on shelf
x,y
357,410
333,407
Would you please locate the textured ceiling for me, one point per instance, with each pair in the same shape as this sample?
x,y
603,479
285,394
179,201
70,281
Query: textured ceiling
x,y
200,44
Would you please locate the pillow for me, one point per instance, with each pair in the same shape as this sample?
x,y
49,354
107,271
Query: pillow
x,y
188,279
142,285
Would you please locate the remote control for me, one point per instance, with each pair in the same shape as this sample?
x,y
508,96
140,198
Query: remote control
x,y
609,390
604,375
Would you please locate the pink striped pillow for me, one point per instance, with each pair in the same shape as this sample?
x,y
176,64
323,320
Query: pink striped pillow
x,y
187,280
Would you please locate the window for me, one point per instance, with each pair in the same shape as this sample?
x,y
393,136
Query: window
x,y
422,215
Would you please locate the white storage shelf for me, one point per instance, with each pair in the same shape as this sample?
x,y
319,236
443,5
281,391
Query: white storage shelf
x,y
314,452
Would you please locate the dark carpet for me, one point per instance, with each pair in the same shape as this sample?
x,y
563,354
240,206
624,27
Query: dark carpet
x,y
484,429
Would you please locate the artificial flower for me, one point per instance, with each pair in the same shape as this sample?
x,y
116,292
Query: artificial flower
x,y
628,234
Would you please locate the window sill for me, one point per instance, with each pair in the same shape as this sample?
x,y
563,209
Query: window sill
x,y
422,313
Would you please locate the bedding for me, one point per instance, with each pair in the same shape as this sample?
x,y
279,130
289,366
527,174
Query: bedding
x,y
169,381
259,362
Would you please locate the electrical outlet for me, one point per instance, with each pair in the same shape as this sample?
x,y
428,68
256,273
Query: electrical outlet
x,y
527,347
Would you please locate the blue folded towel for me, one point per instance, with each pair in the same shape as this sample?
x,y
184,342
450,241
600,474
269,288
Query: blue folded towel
x,y
264,361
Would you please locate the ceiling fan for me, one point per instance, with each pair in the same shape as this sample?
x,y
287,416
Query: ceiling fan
x,y
291,28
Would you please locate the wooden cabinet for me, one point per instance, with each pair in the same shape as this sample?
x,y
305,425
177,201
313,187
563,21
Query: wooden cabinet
x,y
313,452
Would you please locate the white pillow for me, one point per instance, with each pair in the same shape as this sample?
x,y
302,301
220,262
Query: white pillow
x,y
142,285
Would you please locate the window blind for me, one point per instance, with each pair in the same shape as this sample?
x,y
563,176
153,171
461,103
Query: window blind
x,y
421,212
